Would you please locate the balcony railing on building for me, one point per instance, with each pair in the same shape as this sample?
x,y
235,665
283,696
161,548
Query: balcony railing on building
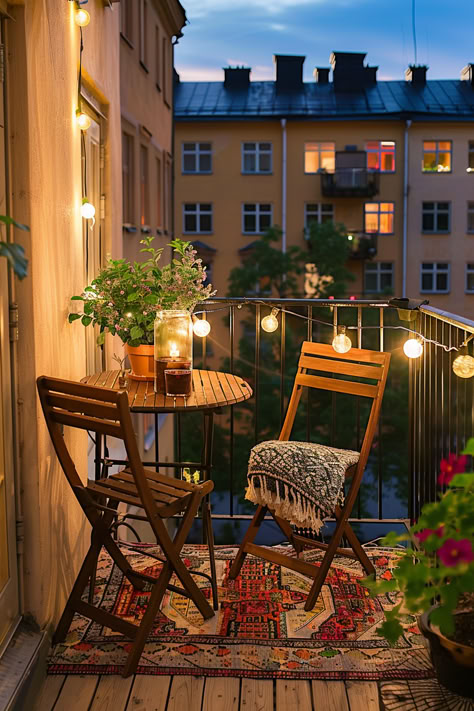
x,y
362,245
350,177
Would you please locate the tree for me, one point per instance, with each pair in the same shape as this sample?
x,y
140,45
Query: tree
x,y
328,251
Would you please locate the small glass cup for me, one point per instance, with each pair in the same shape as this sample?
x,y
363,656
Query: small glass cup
x,y
178,382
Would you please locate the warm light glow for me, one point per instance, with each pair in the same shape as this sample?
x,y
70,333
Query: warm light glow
x,y
87,209
129,314
350,238
83,120
463,366
82,17
413,348
201,327
174,352
270,323
341,343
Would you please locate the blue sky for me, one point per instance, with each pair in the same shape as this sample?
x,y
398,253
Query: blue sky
x,y
230,32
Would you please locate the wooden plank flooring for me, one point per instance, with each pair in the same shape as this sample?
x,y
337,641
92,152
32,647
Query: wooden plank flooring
x,y
194,693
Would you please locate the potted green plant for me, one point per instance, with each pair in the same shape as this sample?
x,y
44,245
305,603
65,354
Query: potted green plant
x,y
436,576
125,298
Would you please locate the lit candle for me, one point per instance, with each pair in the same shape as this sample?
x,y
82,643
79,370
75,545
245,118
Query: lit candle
x,y
173,351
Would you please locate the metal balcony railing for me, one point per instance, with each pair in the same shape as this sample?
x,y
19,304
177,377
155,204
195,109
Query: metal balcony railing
x,y
350,182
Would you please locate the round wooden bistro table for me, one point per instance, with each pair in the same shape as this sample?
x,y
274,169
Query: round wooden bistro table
x,y
212,391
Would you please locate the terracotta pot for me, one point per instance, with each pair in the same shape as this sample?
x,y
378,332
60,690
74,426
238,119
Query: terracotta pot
x,y
453,662
141,362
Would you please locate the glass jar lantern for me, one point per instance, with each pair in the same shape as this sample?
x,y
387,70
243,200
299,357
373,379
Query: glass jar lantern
x,y
173,344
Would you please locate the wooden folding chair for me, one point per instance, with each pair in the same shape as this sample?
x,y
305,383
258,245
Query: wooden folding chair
x,y
342,368
107,412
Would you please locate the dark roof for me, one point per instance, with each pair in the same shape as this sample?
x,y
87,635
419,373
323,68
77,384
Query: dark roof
x,y
448,99
202,246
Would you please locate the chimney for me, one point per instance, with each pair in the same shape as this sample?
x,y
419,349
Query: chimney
x,y
236,77
321,75
467,74
350,73
289,71
416,74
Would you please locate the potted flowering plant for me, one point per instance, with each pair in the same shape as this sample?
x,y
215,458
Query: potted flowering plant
x,y
436,576
124,298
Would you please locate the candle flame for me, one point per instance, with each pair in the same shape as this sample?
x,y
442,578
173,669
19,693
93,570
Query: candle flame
x,y
174,352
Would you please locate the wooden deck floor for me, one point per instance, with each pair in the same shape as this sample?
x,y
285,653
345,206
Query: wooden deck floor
x,y
186,693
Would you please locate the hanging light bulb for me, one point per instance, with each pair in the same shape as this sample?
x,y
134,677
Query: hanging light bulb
x,y
341,343
270,323
81,17
83,120
413,348
87,209
463,366
201,327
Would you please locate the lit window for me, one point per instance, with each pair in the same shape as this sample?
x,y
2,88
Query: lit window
x,y
256,218
435,277
317,213
381,156
436,157
379,217
470,216
197,217
256,157
319,157
143,32
127,179
378,277
197,158
144,188
470,278
126,19
470,157
436,217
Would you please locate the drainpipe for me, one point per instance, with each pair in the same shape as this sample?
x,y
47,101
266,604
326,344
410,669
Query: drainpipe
x,y
405,209
283,185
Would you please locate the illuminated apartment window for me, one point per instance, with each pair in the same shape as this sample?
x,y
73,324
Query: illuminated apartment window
x,y
126,20
435,277
143,18
319,157
470,278
144,188
436,217
197,218
470,216
381,156
470,157
127,179
379,217
256,157
378,277
437,157
159,193
318,213
196,158
256,217
157,58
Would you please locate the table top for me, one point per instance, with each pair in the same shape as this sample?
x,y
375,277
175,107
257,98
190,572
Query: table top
x,y
211,390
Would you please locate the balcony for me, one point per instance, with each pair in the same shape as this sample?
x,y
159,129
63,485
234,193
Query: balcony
x,y
362,245
350,182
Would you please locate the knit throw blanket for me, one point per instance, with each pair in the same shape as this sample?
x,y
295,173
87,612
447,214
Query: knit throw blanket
x,y
301,482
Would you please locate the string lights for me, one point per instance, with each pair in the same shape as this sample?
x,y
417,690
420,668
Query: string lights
x,y
413,348
341,343
81,16
201,327
270,323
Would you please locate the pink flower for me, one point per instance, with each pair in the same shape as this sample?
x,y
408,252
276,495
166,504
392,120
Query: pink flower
x,y
427,532
451,466
122,291
454,552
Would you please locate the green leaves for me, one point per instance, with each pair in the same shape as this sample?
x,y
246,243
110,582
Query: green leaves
x,y
136,333
10,221
15,255
469,448
86,320
73,317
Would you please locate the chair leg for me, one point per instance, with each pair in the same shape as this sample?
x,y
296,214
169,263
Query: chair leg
x,y
358,550
207,523
248,538
286,529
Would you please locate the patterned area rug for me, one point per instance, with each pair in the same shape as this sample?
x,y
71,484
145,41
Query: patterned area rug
x,y
261,629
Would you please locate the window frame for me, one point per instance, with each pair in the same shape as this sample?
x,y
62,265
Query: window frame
x,y
198,212
158,67
167,70
437,151
435,212
469,270
379,152
319,213
258,214
435,271
126,22
142,33
144,188
470,212
379,213
258,153
318,151
197,153
159,191
129,183
470,152
379,272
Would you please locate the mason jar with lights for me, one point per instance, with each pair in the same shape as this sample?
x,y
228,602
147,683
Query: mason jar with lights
x,y
173,349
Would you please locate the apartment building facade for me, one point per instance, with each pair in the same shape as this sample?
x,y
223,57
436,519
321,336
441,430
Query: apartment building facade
x,y
391,160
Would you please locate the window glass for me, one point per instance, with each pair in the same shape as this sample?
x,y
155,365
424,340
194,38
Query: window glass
x,y
436,156
381,156
144,188
470,277
379,217
127,179
256,157
436,217
378,276
470,157
319,156
470,216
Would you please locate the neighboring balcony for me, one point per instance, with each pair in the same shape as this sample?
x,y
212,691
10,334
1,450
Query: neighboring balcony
x,y
362,245
350,182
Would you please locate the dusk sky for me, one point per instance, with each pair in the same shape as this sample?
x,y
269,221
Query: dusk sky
x,y
249,32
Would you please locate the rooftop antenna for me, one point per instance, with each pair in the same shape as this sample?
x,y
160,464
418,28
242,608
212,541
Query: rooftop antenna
x,y
413,26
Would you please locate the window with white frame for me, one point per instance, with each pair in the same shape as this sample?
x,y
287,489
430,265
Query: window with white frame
x,y
436,217
470,278
256,217
197,217
379,217
319,157
470,216
470,157
435,277
437,157
256,157
380,156
317,212
143,28
196,157
378,277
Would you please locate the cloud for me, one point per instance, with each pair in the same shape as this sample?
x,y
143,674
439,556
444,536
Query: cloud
x,y
277,28
202,8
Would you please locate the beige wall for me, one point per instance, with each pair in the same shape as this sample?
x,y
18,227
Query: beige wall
x,y
46,194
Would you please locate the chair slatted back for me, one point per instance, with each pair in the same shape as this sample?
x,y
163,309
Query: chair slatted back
x,y
357,363
99,410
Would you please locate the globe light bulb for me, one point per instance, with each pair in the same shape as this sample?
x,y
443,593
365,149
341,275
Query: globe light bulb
x,y
463,366
83,120
201,327
82,17
413,348
341,343
87,209
270,323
